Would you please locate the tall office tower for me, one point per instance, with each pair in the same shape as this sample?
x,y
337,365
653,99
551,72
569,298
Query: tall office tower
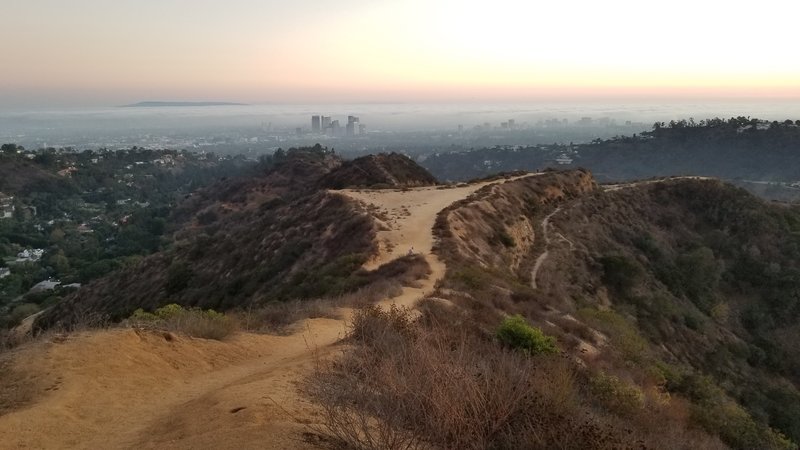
x,y
335,128
362,129
315,124
352,125
512,123
326,122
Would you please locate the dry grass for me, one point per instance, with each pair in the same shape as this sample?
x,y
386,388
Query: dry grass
x,y
192,322
15,390
279,317
404,387
83,321
202,325
420,385
370,294
282,317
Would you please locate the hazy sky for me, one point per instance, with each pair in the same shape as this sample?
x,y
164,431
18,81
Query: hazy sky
x,y
90,52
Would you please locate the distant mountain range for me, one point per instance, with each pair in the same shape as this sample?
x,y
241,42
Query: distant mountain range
x,y
164,104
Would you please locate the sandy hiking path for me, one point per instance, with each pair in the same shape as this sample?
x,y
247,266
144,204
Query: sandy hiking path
x,y
407,217
123,388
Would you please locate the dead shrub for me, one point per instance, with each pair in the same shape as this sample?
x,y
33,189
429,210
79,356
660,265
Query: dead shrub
x,y
406,270
373,324
379,290
204,326
278,317
404,387
194,322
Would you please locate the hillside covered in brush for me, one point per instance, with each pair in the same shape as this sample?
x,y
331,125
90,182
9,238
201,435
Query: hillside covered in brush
x,y
244,241
685,287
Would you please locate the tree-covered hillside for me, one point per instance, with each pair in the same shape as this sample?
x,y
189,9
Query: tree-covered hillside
x,y
739,149
69,217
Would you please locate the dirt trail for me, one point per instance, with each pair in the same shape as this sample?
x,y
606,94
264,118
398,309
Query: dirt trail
x,y
543,257
127,389
408,218
616,187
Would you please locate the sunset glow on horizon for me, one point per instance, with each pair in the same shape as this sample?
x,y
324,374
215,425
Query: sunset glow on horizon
x,y
98,52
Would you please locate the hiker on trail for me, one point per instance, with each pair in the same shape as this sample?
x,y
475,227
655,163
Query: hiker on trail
x,y
411,251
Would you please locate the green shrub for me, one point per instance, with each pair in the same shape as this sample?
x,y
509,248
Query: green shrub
x,y
623,333
516,333
20,312
178,276
736,427
504,238
141,315
169,311
620,273
699,274
471,277
616,395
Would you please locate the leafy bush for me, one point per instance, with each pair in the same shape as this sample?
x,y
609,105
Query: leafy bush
x,y
504,238
699,276
20,312
623,333
516,333
194,322
620,273
736,427
615,394
472,277
178,276
713,410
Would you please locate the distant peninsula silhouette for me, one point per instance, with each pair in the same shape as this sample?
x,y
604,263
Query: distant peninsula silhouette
x,y
163,104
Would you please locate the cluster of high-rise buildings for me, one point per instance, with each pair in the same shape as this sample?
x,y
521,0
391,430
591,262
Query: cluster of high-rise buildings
x,y
324,125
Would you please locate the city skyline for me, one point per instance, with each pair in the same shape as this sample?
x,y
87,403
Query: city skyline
x,y
91,52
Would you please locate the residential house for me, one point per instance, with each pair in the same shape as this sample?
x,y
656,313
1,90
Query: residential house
x,y
85,228
30,255
6,206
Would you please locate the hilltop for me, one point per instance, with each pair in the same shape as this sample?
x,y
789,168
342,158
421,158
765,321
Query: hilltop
x,y
276,236
385,170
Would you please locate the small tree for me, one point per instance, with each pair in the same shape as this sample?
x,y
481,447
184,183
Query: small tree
x,y
516,333
620,273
